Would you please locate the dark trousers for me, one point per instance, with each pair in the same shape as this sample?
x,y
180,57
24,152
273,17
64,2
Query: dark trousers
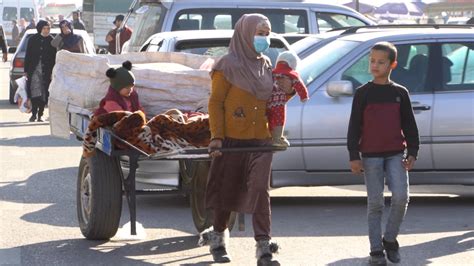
x,y
37,106
261,223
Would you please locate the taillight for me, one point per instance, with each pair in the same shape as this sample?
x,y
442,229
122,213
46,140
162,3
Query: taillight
x,y
20,63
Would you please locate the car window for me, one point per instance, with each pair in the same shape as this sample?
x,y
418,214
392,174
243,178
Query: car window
x,y
282,20
410,72
147,24
329,21
221,47
458,66
319,61
27,13
9,13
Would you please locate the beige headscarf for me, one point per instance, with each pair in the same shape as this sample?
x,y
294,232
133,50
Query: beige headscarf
x,y
243,66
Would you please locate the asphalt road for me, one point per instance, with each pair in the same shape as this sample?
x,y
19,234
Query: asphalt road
x,y
314,226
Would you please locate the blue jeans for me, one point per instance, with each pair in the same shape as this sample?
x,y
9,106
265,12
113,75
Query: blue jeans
x,y
375,169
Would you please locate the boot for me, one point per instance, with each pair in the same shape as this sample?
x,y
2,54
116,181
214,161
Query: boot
x,y
39,119
278,138
392,250
32,118
265,251
218,243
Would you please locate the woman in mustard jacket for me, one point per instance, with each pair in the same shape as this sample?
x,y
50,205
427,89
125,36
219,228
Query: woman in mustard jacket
x,y
241,85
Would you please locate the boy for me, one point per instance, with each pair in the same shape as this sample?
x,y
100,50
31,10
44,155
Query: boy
x,y
381,127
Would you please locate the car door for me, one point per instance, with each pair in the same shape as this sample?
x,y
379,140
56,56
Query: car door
x,y
325,123
453,121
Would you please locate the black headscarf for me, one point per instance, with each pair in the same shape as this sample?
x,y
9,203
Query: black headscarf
x,y
41,24
71,39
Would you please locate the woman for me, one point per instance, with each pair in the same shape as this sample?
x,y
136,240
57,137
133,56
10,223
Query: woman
x,y
241,85
67,40
39,62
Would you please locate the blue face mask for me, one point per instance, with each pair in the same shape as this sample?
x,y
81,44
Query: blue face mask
x,y
261,43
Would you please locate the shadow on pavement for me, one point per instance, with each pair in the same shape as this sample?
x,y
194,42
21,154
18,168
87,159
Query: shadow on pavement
x,y
423,253
40,141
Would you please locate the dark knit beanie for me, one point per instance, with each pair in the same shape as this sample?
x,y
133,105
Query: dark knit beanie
x,y
121,77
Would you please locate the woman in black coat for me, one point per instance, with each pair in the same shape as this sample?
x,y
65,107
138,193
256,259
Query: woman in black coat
x,y
39,62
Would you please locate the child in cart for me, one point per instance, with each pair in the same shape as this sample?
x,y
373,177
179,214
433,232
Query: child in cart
x,y
121,95
276,106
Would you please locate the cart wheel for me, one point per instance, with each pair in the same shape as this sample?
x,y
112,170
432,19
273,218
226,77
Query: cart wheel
x,y
202,217
99,196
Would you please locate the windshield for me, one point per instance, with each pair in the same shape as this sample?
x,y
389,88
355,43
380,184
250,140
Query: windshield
x,y
317,63
147,22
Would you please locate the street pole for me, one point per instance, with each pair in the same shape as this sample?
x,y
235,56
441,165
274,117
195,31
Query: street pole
x,y
357,5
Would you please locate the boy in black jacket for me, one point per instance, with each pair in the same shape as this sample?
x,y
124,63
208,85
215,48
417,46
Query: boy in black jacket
x,y
382,126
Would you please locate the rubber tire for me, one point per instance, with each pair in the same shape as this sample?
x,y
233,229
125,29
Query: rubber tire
x,y
99,181
12,92
202,217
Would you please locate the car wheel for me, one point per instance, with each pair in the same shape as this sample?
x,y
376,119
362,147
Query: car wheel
x,y
99,196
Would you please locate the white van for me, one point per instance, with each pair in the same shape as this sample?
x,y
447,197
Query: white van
x,y
14,10
287,17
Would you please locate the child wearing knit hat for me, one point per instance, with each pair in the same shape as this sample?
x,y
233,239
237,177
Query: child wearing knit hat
x,y
276,105
121,95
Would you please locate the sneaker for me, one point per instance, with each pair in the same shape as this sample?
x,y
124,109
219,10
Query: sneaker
x,y
220,255
377,258
392,250
33,118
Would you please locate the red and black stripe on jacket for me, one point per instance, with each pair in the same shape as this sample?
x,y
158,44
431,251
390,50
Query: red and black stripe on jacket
x,y
382,122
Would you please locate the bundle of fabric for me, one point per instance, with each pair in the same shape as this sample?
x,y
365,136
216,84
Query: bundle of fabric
x,y
167,132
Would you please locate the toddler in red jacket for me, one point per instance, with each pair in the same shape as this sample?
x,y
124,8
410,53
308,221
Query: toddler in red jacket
x,y
276,106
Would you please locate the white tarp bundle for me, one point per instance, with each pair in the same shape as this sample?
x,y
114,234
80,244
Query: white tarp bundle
x,y
162,80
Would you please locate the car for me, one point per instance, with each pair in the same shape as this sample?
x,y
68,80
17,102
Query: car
x,y
286,17
203,42
18,59
436,65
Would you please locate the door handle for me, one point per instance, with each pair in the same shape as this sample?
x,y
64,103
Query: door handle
x,y
421,107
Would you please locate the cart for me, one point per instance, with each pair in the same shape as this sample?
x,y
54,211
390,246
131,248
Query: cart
x,y
101,183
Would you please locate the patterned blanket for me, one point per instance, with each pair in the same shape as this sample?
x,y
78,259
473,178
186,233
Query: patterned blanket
x,y
166,132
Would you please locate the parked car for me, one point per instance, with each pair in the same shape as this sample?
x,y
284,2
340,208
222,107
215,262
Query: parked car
x,y
18,59
435,63
205,42
286,17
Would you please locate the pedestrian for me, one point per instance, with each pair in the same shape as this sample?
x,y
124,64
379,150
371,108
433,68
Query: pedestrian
x,y
125,34
77,22
40,57
31,25
383,129
121,95
22,27
15,33
3,44
68,40
242,83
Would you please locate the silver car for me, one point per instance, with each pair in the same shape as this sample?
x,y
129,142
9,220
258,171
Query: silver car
x,y
436,64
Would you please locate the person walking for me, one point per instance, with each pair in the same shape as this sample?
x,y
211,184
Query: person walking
x,y
15,33
40,57
242,83
3,44
68,40
77,22
125,34
382,127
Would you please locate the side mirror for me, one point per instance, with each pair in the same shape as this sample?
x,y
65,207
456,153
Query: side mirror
x,y
11,50
339,88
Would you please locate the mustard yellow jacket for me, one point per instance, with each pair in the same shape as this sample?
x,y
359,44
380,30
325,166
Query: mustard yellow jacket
x,y
234,112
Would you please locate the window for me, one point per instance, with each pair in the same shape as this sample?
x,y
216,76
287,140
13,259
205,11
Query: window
x,y
27,13
146,24
282,20
329,21
410,72
457,66
9,13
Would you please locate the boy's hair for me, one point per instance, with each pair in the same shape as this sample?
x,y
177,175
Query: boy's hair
x,y
387,47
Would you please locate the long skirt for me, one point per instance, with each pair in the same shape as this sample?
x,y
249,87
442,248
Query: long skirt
x,y
240,181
